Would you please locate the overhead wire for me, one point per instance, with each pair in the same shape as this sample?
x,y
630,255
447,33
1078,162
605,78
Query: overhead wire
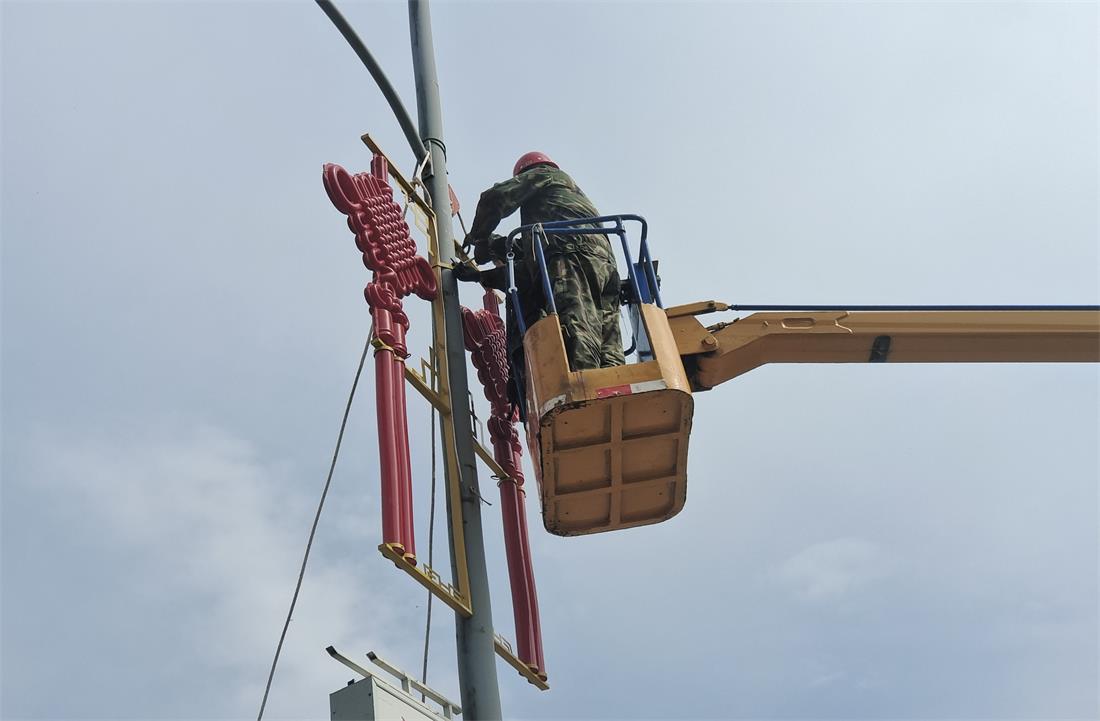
x,y
313,529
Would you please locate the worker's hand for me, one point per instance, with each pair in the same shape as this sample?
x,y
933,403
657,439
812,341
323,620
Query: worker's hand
x,y
466,272
483,252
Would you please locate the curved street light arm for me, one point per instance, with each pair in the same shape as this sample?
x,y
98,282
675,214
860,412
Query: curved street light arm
x,y
398,108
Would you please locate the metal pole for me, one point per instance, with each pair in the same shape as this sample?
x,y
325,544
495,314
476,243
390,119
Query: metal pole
x,y
477,671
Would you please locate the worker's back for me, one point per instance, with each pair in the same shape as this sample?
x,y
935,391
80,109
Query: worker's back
x,y
558,197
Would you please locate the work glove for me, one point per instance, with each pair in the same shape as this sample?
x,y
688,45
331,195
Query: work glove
x,y
483,251
495,278
466,272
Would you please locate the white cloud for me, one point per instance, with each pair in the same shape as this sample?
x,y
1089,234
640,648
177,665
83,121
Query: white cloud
x,y
833,569
208,522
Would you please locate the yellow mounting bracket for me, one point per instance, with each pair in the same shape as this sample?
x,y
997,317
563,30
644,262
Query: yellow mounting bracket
x,y
504,650
432,383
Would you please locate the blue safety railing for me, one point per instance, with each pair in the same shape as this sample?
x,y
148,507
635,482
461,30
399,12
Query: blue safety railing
x,y
642,275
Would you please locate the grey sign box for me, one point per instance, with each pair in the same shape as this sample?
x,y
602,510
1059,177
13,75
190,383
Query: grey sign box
x,y
371,699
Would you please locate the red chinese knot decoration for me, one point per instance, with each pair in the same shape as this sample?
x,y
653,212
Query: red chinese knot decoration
x,y
383,237
486,339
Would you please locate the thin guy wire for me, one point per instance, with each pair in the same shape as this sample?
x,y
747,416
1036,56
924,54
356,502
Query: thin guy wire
x,y
431,545
313,530
431,529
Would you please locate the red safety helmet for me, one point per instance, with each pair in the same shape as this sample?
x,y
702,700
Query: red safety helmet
x,y
533,158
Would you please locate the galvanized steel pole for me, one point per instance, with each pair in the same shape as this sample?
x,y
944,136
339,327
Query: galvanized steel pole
x,y
476,654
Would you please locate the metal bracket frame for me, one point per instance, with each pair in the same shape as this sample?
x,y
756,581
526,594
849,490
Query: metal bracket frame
x,y
432,384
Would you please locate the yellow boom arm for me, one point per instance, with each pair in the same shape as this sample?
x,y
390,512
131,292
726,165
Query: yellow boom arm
x,y
720,352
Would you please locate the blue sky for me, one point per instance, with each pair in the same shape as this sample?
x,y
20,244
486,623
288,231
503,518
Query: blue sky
x,y
182,316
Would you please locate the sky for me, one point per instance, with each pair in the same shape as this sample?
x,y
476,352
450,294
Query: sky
x,y
182,317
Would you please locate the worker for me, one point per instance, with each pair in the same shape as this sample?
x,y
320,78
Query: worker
x,y
582,270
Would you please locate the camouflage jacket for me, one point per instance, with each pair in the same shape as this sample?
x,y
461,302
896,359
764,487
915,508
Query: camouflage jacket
x,y
541,194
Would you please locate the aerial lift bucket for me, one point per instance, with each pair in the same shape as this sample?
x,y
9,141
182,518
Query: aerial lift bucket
x,y
609,445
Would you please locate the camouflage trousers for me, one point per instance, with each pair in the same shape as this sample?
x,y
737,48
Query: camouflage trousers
x,y
585,282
